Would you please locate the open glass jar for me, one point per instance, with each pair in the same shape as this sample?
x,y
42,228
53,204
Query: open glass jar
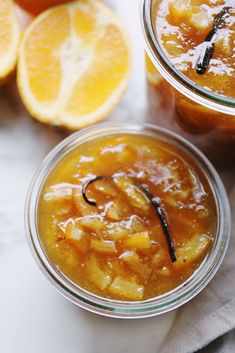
x,y
117,308
179,104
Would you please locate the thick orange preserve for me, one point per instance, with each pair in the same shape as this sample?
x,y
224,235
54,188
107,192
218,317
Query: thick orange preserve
x,y
118,247
182,28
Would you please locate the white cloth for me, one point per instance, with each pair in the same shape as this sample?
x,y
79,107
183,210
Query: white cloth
x,y
212,313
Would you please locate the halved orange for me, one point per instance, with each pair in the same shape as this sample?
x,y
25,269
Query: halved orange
x,y
74,64
36,6
9,38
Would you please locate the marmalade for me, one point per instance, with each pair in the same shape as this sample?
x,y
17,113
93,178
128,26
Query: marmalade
x,y
99,224
198,37
182,28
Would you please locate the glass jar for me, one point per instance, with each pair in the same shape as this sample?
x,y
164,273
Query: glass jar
x,y
177,103
115,308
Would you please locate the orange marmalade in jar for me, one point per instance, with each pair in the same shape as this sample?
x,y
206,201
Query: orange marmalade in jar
x,y
191,71
127,221
127,217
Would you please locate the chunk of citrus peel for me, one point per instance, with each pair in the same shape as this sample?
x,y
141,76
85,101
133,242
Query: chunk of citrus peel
x,y
10,35
74,64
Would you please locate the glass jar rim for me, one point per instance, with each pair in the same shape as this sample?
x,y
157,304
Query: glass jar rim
x,y
176,78
114,308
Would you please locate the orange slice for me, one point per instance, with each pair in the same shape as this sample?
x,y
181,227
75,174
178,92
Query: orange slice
x,y
9,39
74,64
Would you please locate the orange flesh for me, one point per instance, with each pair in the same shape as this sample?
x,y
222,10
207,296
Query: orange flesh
x,y
117,249
181,28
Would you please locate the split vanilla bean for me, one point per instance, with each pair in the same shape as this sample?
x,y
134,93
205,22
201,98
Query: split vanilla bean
x,y
209,43
164,223
86,185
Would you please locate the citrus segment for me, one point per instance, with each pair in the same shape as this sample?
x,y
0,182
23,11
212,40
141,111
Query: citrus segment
x,y
106,75
43,70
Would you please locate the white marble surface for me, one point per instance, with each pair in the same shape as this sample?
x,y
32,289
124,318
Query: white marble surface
x,y
33,316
